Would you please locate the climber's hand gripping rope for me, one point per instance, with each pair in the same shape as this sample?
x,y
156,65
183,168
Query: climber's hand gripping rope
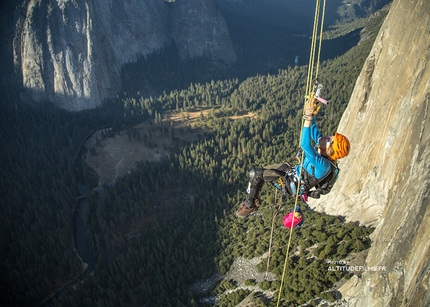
x,y
311,107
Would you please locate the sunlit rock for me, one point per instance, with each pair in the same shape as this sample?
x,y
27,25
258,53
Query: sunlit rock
x,y
71,52
385,180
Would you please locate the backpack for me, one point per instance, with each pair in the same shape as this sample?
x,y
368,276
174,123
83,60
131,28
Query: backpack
x,y
324,185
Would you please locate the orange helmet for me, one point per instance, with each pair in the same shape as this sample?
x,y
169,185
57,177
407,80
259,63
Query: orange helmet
x,y
340,147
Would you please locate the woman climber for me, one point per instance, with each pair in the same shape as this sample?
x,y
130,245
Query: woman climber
x,y
317,165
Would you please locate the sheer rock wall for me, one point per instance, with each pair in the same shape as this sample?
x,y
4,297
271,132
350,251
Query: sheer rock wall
x,y
385,180
70,52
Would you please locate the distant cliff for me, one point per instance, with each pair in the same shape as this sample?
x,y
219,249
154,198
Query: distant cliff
x,y
71,52
385,180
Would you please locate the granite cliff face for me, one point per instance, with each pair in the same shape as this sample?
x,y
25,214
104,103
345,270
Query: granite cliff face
x,y
385,180
71,51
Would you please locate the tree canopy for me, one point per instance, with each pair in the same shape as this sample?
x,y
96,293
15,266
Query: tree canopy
x,y
167,223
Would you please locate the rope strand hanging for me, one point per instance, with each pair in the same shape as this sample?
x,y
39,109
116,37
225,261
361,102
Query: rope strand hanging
x,y
277,207
309,82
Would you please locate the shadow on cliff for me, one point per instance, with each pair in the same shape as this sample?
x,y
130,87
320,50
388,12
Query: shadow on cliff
x,y
259,53
336,47
268,36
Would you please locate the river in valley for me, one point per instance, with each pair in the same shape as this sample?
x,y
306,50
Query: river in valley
x,y
80,237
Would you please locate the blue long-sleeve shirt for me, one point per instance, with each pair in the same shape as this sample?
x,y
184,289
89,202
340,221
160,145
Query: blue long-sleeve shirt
x,y
321,165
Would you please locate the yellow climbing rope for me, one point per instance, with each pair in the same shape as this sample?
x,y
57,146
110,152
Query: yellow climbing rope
x,y
309,82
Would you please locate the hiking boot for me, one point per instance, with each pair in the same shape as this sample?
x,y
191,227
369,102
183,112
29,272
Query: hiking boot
x,y
244,211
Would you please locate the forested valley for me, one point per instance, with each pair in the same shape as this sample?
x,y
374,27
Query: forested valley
x,y
169,223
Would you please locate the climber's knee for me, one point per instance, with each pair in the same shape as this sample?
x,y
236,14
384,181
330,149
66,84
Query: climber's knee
x,y
256,173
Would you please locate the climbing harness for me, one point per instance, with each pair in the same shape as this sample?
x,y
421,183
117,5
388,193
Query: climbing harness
x,y
322,185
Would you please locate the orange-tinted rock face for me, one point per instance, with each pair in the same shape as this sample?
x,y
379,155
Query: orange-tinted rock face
x,y
385,179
